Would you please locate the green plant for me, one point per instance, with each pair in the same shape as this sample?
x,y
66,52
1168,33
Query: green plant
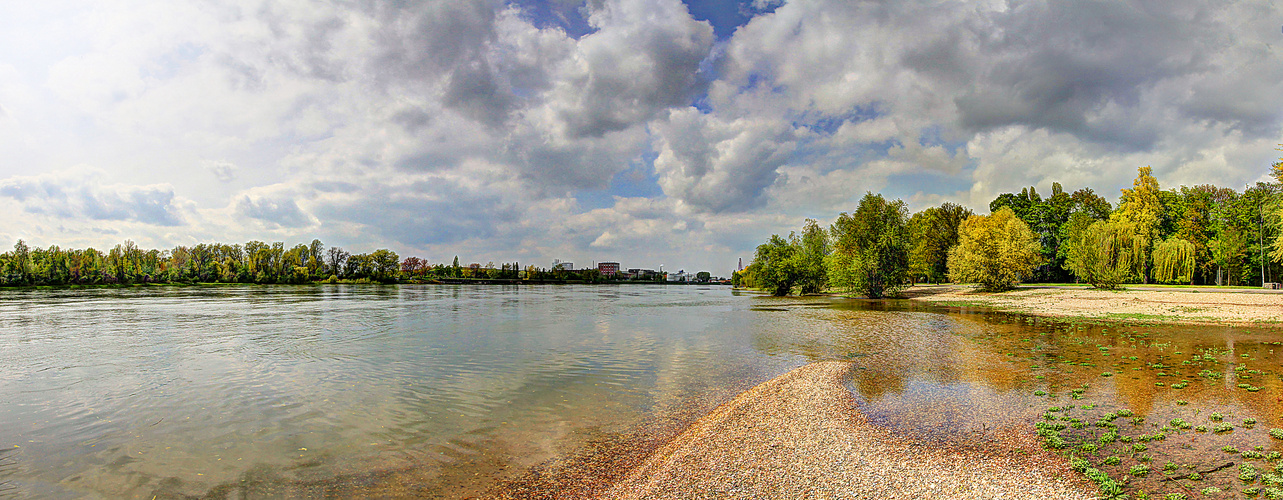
x,y
1216,417
1223,427
1276,433
1247,473
1112,460
1229,449
1139,471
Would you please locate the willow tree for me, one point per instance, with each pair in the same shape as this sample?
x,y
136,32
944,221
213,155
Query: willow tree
x,y
1174,261
995,251
1107,254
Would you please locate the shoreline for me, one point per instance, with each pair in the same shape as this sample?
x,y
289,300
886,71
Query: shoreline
x,y
799,436
1201,306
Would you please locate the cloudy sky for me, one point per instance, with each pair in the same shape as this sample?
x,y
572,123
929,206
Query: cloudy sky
x,y
645,131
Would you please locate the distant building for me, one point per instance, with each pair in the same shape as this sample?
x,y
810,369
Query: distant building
x,y
637,273
680,276
608,268
564,266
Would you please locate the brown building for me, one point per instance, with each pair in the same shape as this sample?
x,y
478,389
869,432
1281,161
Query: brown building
x,y
608,268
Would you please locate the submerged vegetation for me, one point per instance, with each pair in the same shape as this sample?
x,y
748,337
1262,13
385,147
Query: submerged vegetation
x,y
1200,235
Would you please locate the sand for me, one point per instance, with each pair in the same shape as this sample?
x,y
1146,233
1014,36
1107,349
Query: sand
x,y
1201,306
799,436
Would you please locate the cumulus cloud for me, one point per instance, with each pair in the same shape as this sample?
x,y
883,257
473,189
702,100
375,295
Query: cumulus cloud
x,y
716,165
77,195
279,211
644,58
477,125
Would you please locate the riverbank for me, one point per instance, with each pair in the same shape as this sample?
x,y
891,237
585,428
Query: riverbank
x,y
1177,305
798,436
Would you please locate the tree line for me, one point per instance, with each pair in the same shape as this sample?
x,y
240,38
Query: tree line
x,y
1199,235
254,262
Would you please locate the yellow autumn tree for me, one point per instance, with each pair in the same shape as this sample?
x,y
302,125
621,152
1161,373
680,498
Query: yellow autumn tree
x,y
995,251
1141,207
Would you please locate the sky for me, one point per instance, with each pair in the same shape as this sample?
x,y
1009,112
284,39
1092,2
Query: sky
x,y
647,132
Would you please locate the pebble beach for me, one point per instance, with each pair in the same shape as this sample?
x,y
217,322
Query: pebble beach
x,y
798,436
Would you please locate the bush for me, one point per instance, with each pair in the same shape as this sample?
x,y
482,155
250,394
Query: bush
x,y
995,251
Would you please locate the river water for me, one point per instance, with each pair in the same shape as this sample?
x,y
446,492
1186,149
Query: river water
x,y
447,391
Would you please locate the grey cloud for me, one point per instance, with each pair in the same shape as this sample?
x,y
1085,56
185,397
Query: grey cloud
x,y
274,212
426,213
74,199
334,187
721,167
1062,65
474,90
643,59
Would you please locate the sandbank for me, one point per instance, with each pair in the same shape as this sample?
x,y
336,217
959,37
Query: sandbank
x,y
1177,305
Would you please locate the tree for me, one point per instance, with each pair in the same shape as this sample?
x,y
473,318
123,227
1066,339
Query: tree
x,y
871,248
336,258
703,276
1174,261
1142,207
933,232
995,251
813,247
1107,253
777,267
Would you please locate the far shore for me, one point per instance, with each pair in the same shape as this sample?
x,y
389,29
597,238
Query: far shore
x,y
1185,305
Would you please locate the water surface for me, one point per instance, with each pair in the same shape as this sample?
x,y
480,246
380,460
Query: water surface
x,y
445,391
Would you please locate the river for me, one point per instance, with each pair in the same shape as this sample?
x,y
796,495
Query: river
x,y
448,391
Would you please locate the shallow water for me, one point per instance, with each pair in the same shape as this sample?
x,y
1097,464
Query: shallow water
x,y
441,391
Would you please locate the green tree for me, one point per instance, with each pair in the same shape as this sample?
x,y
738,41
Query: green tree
x,y
933,232
1107,253
703,276
871,248
1174,261
813,247
777,270
995,251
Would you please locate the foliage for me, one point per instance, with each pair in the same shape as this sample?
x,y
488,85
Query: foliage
x,y
777,270
812,248
1107,254
1142,207
995,251
933,232
1174,261
870,248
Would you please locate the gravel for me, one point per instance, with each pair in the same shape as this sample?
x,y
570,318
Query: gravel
x,y
799,436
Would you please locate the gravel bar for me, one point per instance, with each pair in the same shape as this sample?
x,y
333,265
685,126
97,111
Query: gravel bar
x,y
799,436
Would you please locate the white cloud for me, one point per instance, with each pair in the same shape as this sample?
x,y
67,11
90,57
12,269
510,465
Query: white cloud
x,y
461,126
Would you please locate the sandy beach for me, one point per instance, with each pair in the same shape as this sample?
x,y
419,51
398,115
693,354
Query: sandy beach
x,y
798,436
1177,305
